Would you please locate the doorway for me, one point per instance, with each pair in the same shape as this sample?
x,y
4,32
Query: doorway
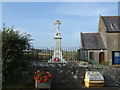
x,y
101,57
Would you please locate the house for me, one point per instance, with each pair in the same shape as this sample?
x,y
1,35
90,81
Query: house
x,y
103,45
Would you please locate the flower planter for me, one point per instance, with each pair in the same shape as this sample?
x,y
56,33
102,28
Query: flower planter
x,y
43,85
42,79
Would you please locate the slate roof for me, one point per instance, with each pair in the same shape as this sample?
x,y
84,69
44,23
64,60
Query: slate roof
x,y
112,23
92,41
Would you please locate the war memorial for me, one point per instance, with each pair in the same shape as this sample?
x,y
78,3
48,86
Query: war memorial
x,y
57,56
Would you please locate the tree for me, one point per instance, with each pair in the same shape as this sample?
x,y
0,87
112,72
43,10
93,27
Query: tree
x,y
14,45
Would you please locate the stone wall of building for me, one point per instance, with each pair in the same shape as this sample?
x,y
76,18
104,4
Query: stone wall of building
x,y
102,30
113,44
95,55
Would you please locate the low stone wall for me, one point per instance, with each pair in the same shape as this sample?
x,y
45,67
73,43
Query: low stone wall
x,y
71,75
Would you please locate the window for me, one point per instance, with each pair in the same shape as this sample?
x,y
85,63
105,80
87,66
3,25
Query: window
x,y
113,26
91,55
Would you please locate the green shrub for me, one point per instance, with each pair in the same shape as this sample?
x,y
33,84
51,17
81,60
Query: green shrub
x,y
14,45
104,63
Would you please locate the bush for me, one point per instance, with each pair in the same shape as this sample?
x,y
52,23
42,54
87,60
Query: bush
x,y
14,45
104,63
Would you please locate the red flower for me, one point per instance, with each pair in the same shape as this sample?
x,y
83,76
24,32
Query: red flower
x,y
35,77
39,76
49,76
45,80
45,76
39,81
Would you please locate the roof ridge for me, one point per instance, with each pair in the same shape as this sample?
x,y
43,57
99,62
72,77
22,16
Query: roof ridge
x,y
112,16
91,33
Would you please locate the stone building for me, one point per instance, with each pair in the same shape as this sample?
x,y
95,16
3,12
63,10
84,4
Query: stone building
x,y
105,44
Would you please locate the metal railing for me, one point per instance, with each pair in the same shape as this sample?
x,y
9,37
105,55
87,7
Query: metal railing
x,y
69,54
44,54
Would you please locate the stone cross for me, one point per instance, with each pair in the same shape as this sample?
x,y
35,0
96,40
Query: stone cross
x,y
57,23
